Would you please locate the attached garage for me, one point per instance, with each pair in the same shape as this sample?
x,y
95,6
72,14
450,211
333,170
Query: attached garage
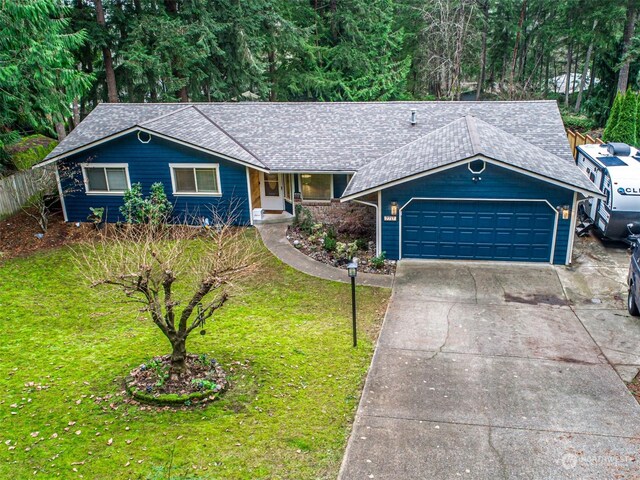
x,y
471,191
481,229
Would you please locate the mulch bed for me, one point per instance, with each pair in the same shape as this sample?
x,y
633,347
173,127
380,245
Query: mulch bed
x,y
151,382
18,235
300,241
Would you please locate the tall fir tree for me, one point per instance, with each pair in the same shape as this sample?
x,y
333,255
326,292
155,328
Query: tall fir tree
x,y
625,129
38,75
614,115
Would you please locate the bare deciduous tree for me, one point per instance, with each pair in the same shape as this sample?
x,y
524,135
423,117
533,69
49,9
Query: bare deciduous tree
x,y
445,43
180,274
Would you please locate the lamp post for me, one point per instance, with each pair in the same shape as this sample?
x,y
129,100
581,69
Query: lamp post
x,y
352,270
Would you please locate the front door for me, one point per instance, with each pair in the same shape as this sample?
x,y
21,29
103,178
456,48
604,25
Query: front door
x,y
271,192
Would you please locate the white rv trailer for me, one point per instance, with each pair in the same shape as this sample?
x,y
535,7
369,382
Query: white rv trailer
x,y
615,169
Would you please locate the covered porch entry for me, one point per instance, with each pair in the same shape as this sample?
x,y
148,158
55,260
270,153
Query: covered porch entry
x,y
273,193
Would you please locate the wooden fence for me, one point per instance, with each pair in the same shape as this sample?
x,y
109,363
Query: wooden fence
x,y
16,189
576,138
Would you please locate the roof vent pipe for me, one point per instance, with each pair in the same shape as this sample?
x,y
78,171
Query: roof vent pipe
x,y
414,120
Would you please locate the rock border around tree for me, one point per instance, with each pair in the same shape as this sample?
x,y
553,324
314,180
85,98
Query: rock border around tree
x,y
150,383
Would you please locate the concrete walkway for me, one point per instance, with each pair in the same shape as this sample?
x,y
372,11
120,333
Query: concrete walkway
x,y
487,372
274,237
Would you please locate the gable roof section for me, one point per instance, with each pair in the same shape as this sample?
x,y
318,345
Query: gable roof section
x,y
330,137
185,125
190,125
103,122
463,139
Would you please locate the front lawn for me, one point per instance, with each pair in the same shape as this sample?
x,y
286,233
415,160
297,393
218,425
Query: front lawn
x,y
286,342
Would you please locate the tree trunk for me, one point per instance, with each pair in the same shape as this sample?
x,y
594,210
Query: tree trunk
x,y
515,47
184,96
333,7
585,69
171,6
112,89
76,112
483,62
546,77
178,357
272,75
567,80
60,131
629,28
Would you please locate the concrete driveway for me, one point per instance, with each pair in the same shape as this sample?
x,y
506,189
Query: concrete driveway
x,y
493,371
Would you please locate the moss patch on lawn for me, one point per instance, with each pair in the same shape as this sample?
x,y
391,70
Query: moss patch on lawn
x,y
285,342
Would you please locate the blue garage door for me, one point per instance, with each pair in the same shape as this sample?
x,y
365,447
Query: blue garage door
x,y
478,230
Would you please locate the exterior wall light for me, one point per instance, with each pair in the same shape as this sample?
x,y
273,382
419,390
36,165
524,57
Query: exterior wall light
x,y
394,208
565,211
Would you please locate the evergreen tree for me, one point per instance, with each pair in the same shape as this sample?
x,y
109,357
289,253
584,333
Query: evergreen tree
x,y
38,75
625,129
358,53
614,115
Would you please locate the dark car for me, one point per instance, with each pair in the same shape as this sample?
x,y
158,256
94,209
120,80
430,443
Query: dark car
x,y
633,280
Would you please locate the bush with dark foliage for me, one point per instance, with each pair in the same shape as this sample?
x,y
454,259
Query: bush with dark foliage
x,y
357,222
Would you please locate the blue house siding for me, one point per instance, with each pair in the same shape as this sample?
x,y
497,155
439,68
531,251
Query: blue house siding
x,y
340,182
288,207
149,163
496,183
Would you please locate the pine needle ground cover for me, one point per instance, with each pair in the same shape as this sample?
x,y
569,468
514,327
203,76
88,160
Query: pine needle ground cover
x,y
285,342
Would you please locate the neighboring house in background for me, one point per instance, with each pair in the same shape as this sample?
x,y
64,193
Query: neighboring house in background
x,y
559,83
461,180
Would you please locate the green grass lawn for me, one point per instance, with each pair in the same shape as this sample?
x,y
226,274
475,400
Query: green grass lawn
x,y
296,379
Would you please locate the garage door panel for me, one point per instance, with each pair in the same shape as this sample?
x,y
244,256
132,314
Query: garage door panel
x,y
504,221
467,220
484,252
480,230
538,238
484,236
428,250
486,220
412,234
448,219
466,235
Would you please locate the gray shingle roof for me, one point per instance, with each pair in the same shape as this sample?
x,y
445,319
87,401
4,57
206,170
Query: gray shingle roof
x,y
105,120
459,140
329,137
190,125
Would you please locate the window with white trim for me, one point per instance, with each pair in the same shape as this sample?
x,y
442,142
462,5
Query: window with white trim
x,y
106,178
316,186
200,179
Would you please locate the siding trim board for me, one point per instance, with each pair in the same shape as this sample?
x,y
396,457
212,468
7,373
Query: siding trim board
x,y
510,200
249,196
60,193
572,228
464,161
379,232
